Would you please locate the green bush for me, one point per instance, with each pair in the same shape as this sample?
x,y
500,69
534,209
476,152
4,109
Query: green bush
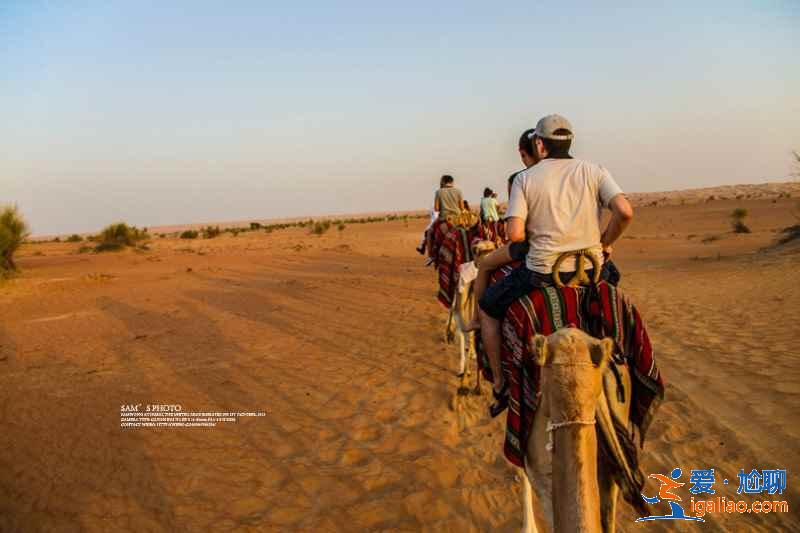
x,y
318,228
118,236
74,238
790,234
737,220
189,234
341,226
13,230
210,232
255,225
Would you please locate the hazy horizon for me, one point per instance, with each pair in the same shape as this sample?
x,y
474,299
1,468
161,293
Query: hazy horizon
x,y
162,115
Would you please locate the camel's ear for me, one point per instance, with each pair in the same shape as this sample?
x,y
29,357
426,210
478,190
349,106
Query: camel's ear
x,y
601,352
539,349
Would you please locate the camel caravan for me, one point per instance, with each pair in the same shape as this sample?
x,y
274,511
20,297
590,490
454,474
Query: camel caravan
x,y
535,300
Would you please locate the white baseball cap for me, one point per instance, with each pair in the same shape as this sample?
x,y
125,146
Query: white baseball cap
x,y
546,128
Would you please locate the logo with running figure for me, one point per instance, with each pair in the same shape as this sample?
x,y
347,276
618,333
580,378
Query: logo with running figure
x,y
701,482
665,494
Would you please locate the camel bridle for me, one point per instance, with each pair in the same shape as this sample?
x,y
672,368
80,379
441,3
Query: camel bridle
x,y
553,426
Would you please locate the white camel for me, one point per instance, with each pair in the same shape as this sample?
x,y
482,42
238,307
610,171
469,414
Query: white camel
x,y
462,311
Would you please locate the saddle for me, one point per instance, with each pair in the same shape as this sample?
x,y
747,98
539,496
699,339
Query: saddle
x,y
465,219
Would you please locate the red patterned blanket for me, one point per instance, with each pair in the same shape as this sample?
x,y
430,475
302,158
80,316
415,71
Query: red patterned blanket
x,y
454,250
494,231
602,311
438,232
452,246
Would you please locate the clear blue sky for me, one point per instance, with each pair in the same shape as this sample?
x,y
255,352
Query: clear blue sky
x,y
173,112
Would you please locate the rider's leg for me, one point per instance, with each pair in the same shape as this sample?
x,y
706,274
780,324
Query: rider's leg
x,y
493,306
490,335
486,266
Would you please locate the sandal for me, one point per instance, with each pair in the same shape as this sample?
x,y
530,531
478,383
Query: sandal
x,y
501,401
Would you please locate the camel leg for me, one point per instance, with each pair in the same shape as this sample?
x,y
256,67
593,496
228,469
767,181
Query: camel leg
x,y
609,490
462,368
463,388
528,522
449,328
474,355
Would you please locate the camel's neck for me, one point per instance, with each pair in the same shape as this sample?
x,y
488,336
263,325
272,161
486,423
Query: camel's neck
x,y
576,502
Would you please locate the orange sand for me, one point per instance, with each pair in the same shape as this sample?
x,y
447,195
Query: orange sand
x,y
339,339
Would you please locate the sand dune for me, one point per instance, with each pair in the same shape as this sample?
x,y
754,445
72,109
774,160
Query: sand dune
x,y
338,339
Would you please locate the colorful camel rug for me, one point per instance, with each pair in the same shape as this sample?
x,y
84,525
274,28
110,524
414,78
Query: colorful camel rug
x,y
601,311
438,233
454,250
492,230
452,247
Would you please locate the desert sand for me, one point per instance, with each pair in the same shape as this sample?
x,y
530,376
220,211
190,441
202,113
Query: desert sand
x,y
339,339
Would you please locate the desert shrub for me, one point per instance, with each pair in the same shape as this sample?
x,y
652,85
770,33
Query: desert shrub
x,y
737,220
341,227
13,230
318,228
209,232
790,234
255,225
119,235
85,250
189,234
74,238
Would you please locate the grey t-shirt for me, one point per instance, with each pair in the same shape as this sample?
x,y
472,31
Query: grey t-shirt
x,y
561,202
449,201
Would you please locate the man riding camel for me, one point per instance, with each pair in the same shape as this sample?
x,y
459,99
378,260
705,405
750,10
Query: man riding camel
x,y
448,201
556,205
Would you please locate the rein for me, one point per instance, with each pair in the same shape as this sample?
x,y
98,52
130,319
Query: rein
x,y
552,426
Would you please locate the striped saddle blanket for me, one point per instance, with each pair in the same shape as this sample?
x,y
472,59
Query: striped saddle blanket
x,y
601,311
455,250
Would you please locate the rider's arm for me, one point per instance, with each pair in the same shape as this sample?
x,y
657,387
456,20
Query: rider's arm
x,y
517,212
436,204
515,229
621,216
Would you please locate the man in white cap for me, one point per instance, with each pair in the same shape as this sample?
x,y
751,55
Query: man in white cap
x,y
555,205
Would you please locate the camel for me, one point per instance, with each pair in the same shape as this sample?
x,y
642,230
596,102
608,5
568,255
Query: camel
x,y
462,311
574,490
